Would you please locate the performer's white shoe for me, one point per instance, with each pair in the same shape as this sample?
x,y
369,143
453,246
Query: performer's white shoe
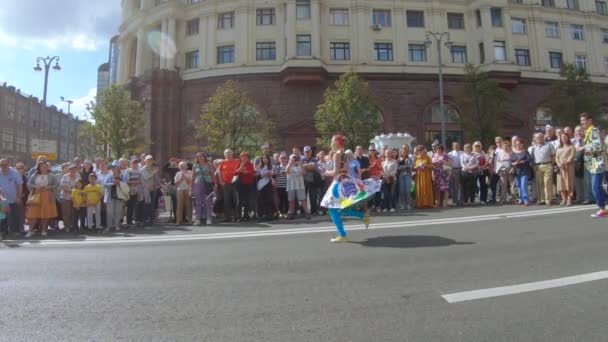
x,y
339,239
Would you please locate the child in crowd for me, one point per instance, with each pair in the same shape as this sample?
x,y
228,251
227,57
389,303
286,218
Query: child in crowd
x,y
79,202
93,193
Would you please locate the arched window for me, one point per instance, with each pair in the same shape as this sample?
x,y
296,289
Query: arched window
x,y
433,113
432,124
543,116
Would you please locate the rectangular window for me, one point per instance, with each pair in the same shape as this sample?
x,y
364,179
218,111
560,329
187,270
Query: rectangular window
x,y
606,64
415,18
303,45
482,53
456,21
266,51
459,54
192,59
225,21
572,4
555,60
339,51
383,51
552,29
580,61
338,16
518,26
302,9
604,35
478,17
265,16
601,8
496,14
577,32
417,52
192,27
381,18
225,54
547,3
500,50
522,57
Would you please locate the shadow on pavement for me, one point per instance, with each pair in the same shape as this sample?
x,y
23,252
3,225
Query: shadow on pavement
x,y
410,241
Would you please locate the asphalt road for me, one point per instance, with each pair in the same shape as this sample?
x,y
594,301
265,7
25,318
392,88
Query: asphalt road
x,y
386,285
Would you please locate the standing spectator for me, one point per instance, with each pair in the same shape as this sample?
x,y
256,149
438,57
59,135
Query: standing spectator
x,y
389,170
11,184
67,206
87,169
423,178
33,170
543,155
94,193
113,198
375,172
583,193
494,177
20,167
520,161
404,174
169,171
353,168
41,186
456,192
132,177
564,158
226,171
280,174
246,175
363,162
296,191
102,173
264,170
148,172
441,175
483,172
183,182
470,165
312,178
549,134
4,211
594,161
202,189
504,170
79,201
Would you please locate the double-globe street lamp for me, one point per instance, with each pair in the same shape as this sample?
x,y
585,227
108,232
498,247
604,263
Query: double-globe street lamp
x,y
47,66
440,38
69,102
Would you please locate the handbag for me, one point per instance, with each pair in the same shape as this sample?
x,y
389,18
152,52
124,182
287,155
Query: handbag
x,y
33,199
235,180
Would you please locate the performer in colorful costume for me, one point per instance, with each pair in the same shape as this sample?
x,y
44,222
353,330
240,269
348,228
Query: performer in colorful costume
x,y
345,192
594,161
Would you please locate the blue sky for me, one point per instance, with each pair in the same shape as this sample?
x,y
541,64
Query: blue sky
x,y
78,31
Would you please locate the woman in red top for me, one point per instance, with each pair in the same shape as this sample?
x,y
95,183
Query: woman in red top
x,y
246,174
375,172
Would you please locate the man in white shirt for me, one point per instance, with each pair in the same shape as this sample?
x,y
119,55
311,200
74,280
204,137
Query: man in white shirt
x,y
456,176
543,156
494,178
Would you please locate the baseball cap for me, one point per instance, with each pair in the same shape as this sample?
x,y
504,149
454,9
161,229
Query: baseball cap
x,y
307,149
266,145
71,165
372,147
149,157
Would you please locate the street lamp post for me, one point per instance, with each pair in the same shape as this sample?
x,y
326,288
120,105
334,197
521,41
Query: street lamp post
x,y
47,65
69,102
440,38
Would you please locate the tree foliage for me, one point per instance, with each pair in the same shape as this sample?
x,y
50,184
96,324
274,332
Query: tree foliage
x,y
348,108
230,119
117,122
572,95
482,101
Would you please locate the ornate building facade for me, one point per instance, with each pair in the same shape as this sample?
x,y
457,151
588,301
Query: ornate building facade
x,y
285,53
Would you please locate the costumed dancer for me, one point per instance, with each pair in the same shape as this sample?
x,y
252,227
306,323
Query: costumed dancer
x,y
345,192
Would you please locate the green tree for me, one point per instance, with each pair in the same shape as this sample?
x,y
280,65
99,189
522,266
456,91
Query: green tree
x,y
572,95
348,108
482,100
117,121
230,119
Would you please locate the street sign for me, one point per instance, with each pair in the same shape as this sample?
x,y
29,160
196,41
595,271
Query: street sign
x,y
47,148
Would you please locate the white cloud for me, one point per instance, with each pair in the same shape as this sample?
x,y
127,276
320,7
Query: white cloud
x,y
79,107
75,24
